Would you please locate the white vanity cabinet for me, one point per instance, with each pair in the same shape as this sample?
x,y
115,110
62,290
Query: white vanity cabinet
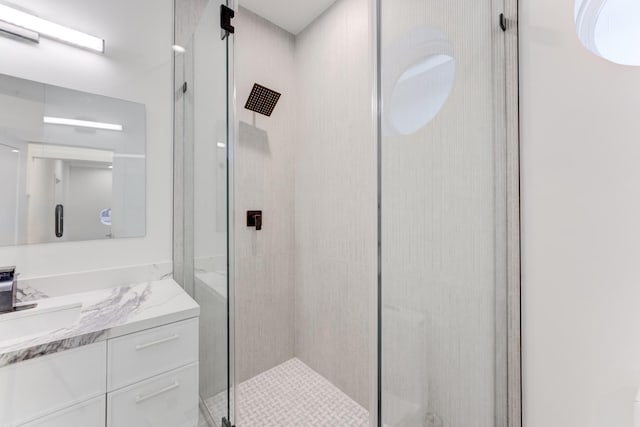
x,y
136,357
153,377
89,413
167,400
146,378
40,387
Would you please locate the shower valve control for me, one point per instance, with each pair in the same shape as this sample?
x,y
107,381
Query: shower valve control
x,y
254,219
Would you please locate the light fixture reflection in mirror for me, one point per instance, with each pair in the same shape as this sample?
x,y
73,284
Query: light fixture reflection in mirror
x,y
81,123
610,29
419,74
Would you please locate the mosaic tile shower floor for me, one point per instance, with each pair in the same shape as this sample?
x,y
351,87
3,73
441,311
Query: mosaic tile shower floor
x,y
292,395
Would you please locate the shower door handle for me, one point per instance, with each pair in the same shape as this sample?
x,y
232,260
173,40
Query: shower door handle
x,y
254,219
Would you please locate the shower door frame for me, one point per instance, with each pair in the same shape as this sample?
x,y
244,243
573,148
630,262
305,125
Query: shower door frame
x,y
232,140
514,290
183,251
508,393
509,389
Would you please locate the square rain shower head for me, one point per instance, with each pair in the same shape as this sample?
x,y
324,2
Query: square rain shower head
x,y
262,100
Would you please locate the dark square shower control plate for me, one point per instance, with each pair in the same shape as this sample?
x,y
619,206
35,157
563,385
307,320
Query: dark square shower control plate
x,y
262,100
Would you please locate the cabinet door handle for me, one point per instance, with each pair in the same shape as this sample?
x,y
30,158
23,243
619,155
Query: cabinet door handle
x,y
142,398
161,341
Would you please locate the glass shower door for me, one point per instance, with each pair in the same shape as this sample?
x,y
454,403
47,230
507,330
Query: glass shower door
x,y
443,214
203,152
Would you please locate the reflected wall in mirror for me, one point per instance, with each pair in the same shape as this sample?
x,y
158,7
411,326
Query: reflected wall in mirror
x,y
72,165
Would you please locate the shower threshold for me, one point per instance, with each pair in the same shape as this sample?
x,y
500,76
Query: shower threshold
x,y
291,395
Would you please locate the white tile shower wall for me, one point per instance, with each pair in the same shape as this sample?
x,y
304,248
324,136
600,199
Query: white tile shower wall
x,y
335,198
265,181
580,232
146,79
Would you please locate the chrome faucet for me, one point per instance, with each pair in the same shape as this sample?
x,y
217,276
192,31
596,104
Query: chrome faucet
x,y
8,289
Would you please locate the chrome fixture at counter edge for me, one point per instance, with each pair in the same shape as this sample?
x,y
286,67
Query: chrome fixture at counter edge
x,y
8,291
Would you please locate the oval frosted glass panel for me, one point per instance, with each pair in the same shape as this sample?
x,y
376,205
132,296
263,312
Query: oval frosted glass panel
x,y
421,92
418,80
610,29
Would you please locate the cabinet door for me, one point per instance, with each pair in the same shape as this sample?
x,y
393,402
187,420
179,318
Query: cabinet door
x,y
168,400
142,355
36,388
86,414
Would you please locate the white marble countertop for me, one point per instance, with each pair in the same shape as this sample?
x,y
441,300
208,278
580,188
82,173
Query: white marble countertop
x,y
104,314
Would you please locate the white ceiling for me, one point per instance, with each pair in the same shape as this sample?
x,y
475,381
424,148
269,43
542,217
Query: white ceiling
x,y
292,15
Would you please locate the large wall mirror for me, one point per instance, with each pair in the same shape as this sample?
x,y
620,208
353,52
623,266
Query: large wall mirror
x,y
72,164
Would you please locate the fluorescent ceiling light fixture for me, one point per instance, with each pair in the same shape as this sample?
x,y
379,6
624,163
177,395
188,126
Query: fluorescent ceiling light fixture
x,y
49,29
15,151
19,32
178,48
221,145
82,123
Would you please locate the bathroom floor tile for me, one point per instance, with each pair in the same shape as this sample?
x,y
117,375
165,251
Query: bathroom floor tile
x,y
292,394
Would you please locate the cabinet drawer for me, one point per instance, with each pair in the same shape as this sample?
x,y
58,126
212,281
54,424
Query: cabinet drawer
x,y
168,400
86,414
36,388
139,356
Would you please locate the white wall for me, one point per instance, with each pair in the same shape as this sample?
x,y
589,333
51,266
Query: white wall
x,y
580,233
135,67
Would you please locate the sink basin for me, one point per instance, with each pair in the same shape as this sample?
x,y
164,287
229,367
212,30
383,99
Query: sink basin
x,y
37,321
